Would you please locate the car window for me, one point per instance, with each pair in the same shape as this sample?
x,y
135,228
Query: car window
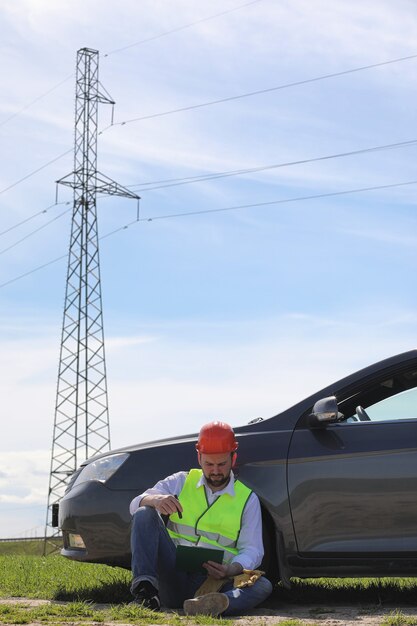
x,y
398,407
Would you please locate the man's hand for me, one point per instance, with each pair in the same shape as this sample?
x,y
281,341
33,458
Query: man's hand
x,y
217,570
166,505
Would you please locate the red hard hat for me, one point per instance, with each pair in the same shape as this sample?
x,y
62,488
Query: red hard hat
x,y
215,438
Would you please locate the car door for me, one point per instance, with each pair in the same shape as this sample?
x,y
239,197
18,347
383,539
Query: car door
x,y
353,484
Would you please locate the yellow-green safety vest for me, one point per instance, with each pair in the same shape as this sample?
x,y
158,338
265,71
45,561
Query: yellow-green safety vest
x,y
212,526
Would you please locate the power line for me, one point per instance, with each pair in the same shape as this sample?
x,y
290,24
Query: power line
x,y
175,182
115,51
179,28
272,202
364,67
29,104
42,167
31,217
36,269
220,210
33,232
203,177
261,91
193,179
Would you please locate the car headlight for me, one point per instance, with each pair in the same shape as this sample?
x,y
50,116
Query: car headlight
x,y
102,469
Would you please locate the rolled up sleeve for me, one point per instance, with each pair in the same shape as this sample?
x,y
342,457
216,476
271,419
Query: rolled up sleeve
x,y
171,485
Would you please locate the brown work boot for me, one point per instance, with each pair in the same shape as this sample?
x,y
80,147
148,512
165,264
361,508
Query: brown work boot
x,y
210,604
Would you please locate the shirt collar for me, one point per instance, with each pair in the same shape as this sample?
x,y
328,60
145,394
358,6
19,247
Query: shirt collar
x,y
229,489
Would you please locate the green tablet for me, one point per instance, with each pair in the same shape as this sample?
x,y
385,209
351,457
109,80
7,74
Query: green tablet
x,y
191,559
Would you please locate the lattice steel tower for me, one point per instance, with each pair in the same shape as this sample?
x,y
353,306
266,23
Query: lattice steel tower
x,y
81,427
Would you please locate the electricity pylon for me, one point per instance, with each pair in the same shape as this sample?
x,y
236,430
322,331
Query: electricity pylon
x,y
81,426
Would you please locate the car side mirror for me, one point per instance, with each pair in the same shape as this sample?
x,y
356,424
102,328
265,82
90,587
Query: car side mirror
x,y
325,411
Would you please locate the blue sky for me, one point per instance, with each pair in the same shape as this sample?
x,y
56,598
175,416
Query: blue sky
x,y
229,314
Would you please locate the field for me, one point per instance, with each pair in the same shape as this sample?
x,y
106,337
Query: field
x,y
29,547
70,592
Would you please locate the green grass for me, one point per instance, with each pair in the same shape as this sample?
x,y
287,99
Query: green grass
x,y
397,618
325,591
82,612
33,547
56,578
82,585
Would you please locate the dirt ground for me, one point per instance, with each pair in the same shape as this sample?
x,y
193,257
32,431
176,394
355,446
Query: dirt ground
x,y
371,615
327,616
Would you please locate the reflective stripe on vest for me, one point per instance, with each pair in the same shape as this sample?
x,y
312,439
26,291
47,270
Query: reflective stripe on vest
x,y
217,525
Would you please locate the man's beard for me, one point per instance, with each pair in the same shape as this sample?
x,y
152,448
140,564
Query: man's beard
x,y
218,482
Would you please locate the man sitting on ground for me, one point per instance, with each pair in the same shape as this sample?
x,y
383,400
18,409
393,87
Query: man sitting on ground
x,y
208,508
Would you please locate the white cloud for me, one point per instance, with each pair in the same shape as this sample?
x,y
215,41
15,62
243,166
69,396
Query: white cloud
x,y
176,376
384,236
177,384
24,479
116,343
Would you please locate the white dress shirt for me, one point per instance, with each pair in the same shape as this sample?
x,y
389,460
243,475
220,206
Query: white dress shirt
x,y
249,544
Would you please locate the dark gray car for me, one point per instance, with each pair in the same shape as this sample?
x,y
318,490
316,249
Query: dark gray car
x,y
336,475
